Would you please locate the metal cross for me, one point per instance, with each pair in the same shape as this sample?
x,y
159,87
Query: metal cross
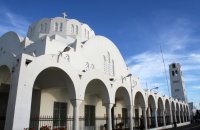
x,y
64,14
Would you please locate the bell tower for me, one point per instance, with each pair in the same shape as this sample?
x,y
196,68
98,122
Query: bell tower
x,y
177,82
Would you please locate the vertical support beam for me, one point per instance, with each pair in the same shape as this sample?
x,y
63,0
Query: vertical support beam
x,y
164,121
145,117
175,119
171,115
130,109
76,104
156,119
108,113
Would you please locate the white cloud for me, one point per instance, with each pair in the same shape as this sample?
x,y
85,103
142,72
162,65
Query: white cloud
x,y
12,22
196,87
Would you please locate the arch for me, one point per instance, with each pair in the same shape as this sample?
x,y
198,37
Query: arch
x,y
167,112
123,94
151,101
5,79
53,90
98,87
139,99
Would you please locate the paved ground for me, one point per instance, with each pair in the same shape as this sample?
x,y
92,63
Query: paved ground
x,y
195,126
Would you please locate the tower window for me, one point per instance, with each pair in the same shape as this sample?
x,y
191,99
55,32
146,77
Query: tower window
x,y
173,65
172,73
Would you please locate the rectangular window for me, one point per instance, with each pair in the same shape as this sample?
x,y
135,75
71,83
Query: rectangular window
x,y
89,116
59,114
125,116
176,90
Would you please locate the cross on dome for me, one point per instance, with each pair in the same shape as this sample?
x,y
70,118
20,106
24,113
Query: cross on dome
x,y
64,14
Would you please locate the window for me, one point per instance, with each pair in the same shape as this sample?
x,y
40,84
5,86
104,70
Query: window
x,y
176,90
104,63
173,65
45,27
76,29
56,27
125,116
61,27
59,114
172,73
72,29
113,68
41,28
89,116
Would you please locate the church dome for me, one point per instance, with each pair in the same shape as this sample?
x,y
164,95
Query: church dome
x,y
60,26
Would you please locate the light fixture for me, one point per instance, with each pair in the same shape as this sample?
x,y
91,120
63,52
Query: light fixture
x,y
154,88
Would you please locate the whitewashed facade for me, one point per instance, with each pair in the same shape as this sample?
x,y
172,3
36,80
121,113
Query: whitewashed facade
x,y
63,67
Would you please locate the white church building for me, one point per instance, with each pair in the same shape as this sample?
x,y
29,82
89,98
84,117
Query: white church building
x,y
62,76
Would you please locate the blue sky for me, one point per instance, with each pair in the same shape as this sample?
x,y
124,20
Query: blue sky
x,y
137,27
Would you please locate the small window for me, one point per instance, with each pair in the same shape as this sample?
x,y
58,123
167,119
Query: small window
x,y
61,27
59,114
41,28
72,29
173,65
172,73
56,27
76,29
45,27
176,90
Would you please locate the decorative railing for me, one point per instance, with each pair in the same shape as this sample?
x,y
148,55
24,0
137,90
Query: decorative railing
x,y
50,123
167,120
160,121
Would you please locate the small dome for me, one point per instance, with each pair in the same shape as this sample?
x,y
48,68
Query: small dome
x,y
59,26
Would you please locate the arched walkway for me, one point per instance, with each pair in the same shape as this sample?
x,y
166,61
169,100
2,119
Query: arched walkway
x,y
160,112
140,110
151,115
167,112
122,109
93,108
5,79
51,105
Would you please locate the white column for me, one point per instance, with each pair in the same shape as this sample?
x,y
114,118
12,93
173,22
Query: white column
x,y
171,115
145,117
164,121
175,116
156,119
108,113
76,104
130,108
